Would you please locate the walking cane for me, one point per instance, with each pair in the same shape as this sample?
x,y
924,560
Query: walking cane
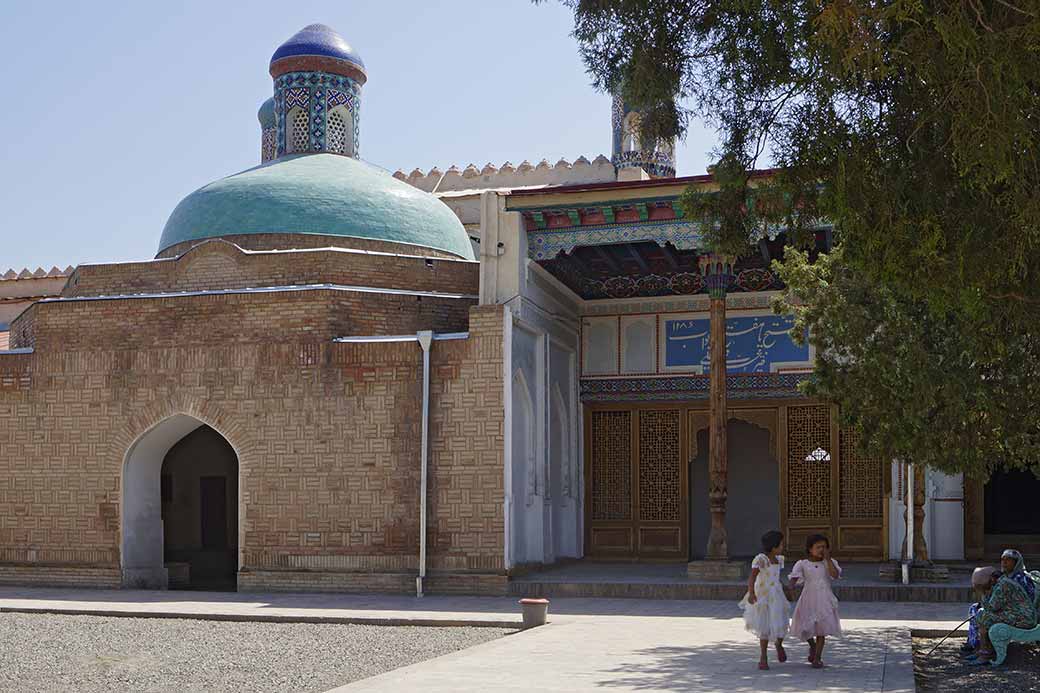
x,y
947,636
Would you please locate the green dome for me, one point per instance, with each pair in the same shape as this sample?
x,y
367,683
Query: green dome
x,y
324,194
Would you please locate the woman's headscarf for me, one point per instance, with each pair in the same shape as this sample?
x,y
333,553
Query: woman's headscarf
x,y
1018,573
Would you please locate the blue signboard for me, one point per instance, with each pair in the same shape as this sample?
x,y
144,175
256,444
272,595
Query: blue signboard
x,y
753,344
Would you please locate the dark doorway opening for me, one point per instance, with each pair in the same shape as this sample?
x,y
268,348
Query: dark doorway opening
x,y
199,490
753,506
1013,503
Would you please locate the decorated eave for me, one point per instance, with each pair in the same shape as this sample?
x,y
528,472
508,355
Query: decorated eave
x,y
40,273
638,248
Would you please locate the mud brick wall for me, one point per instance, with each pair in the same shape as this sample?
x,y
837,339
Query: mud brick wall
x,y
327,434
218,264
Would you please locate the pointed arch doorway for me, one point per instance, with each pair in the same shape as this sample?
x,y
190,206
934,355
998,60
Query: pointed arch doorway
x,y
180,508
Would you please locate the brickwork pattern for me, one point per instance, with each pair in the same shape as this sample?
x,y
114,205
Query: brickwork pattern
x,y
218,264
327,434
285,241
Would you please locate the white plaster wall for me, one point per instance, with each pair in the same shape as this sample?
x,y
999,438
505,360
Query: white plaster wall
x,y
543,506
141,507
565,470
943,516
638,344
944,513
528,490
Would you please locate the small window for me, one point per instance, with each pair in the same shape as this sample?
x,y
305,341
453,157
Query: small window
x,y
339,136
297,137
166,488
818,455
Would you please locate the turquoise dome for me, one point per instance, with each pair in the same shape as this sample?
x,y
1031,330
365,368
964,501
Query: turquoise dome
x,y
324,194
266,114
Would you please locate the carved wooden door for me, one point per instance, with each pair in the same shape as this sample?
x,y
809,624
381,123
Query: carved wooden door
x,y
828,487
636,484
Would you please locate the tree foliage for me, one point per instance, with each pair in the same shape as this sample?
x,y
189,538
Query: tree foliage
x,y
913,127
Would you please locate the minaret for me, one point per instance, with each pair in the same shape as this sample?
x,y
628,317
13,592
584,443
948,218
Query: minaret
x,y
317,94
630,154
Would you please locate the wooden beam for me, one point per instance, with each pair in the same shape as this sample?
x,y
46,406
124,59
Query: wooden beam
x,y
670,256
607,258
608,214
633,252
572,214
573,259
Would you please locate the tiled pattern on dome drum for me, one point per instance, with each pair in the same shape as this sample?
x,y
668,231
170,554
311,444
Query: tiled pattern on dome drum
x,y
268,144
660,498
808,480
611,471
318,93
860,477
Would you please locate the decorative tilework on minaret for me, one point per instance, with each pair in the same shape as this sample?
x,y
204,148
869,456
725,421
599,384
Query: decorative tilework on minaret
x,y
630,152
317,94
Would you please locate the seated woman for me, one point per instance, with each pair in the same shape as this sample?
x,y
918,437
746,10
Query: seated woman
x,y
1012,600
982,580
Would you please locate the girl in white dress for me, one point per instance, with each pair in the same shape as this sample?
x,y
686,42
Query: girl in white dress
x,y
767,612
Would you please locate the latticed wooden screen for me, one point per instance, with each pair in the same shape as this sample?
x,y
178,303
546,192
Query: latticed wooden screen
x,y
660,496
611,465
808,462
860,478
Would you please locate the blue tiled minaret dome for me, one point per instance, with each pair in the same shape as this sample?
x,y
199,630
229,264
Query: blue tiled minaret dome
x,y
317,96
629,151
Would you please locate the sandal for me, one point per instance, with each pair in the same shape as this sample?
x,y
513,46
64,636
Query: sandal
x,y
763,666
781,654
817,664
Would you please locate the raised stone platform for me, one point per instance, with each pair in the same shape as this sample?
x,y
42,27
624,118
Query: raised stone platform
x,y
589,579
716,571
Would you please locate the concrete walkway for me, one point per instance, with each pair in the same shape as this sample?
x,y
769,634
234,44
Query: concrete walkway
x,y
688,646
590,644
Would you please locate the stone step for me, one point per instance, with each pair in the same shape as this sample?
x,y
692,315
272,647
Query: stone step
x,y
729,591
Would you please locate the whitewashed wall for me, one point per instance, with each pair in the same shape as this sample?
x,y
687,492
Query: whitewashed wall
x,y
943,516
543,451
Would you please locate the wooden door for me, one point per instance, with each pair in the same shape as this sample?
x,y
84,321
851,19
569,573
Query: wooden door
x,y
827,487
213,512
636,485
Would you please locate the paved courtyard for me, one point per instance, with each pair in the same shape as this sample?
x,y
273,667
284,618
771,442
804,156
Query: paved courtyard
x,y
591,644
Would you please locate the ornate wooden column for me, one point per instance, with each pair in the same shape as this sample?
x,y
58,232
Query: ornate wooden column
x,y
920,545
718,273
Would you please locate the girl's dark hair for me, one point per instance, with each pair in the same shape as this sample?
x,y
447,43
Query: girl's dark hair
x,y
816,539
771,540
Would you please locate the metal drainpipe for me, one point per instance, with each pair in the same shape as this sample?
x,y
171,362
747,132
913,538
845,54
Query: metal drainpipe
x,y
425,339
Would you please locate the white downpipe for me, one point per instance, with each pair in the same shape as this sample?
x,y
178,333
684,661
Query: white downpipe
x,y
425,339
909,523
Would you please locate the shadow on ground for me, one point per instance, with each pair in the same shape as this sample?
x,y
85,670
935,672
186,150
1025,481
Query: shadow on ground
x,y
946,671
854,663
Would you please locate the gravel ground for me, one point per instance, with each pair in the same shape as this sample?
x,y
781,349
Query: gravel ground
x,y
947,672
91,653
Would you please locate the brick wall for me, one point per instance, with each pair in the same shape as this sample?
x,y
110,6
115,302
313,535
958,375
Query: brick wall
x,y
219,264
279,241
327,434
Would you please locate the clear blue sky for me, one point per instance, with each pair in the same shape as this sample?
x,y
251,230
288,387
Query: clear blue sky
x,y
114,111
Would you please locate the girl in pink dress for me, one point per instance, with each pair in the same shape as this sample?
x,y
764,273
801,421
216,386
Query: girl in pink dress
x,y
816,614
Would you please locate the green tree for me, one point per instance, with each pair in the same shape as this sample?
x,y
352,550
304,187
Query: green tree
x,y
912,127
